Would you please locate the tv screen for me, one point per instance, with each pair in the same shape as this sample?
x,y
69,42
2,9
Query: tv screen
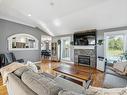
x,y
85,38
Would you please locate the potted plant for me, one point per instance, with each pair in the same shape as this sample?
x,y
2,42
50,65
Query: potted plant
x,y
100,42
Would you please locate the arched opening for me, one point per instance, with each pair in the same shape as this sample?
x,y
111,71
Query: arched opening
x,y
22,42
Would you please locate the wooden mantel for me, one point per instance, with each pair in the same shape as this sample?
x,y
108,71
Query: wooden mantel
x,y
84,47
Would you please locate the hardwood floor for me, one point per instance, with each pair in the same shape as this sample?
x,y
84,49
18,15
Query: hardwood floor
x,y
47,66
97,76
3,90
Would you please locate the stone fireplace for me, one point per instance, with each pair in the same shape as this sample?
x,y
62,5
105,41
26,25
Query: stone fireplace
x,y
85,57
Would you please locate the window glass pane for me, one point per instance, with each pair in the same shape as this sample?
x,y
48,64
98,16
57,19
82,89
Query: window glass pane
x,y
115,48
22,42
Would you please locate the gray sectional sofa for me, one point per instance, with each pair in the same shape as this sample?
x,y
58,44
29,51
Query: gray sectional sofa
x,y
26,82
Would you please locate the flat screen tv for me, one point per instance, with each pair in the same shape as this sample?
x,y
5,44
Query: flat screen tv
x,y
85,38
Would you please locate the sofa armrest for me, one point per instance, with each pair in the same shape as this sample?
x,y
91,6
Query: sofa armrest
x,y
86,84
16,87
20,60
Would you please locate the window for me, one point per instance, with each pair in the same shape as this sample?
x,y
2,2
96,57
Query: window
x,y
22,42
115,46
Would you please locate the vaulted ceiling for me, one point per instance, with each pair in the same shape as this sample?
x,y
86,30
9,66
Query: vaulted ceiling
x,y
59,17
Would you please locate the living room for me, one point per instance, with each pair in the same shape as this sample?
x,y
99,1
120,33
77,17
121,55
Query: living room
x,y
49,49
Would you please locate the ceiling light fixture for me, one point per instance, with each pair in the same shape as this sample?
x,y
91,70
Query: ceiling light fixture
x,y
29,14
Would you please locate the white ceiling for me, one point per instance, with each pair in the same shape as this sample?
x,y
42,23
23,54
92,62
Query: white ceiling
x,y
59,17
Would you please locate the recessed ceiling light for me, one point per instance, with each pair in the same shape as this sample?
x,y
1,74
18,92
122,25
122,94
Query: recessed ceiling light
x,y
52,3
29,14
57,22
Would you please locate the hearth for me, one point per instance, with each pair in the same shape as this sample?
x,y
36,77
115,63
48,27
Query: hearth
x,y
84,60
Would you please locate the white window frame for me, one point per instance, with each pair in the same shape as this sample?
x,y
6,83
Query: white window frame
x,y
21,49
122,32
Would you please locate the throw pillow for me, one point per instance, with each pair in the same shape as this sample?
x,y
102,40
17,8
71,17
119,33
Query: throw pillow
x,y
120,66
32,66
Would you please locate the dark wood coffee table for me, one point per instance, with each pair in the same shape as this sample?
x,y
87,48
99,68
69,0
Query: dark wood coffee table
x,y
75,72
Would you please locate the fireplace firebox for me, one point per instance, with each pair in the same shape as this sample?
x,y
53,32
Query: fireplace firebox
x,y
84,60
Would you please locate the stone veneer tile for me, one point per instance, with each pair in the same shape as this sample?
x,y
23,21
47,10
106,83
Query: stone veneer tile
x,y
86,52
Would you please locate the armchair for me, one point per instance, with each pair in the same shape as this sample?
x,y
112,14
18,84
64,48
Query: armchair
x,y
2,60
8,58
14,58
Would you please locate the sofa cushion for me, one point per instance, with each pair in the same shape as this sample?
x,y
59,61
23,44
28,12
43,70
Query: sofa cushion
x,y
65,92
47,75
20,71
104,91
40,84
68,85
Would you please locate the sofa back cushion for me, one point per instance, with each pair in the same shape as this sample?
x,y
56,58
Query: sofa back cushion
x,y
20,71
40,84
16,87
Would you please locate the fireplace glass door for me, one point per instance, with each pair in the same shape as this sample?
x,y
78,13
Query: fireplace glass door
x,y
84,60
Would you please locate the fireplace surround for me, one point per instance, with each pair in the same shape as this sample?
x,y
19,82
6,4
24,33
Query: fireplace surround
x,y
85,52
